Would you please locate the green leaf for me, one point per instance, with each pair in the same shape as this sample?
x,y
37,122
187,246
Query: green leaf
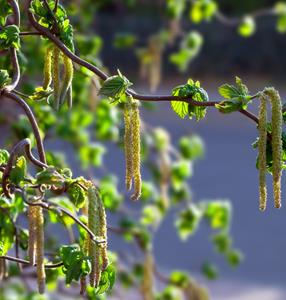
x,y
210,271
76,193
50,176
234,258
180,279
107,280
41,94
115,87
175,8
9,37
192,147
222,242
19,171
124,40
76,264
237,97
202,10
151,215
4,156
5,11
4,78
218,214
180,108
247,27
188,221
195,92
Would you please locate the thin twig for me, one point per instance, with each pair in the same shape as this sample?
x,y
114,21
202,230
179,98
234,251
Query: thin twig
x,y
26,262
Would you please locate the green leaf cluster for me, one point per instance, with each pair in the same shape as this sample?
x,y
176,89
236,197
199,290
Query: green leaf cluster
x,y
237,97
194,91
9,37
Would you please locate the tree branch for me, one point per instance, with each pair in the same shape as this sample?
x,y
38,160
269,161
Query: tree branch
x,y
32,120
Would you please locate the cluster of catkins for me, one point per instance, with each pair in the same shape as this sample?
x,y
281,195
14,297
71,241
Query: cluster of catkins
x,y
62,81
271,95
97,224
132,147
36,243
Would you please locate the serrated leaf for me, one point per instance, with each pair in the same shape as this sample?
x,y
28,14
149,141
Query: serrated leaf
x,y
19,171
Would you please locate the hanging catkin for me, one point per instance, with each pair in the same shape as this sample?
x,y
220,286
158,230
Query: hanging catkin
x,y
136,148
67,80
262,142
102,232
276,143
148,280
93,225
32,215
48,68
128,146
56,77
41,275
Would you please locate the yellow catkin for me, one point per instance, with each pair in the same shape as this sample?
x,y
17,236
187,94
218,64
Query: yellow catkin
x,y
193,291
262,127
67,79
32,215
56,77
93,225
276,143
41,275
128,146
136,148
102,232
148,277
48,68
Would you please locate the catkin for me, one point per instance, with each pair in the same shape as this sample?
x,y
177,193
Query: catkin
x,y
56,77
41,275
47,68
69,97
32,215
276,143
136,148
262,127
68,76
93,225
148,280
128,146
102,232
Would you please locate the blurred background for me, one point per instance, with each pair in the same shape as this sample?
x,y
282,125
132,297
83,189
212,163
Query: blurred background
x,y
145,40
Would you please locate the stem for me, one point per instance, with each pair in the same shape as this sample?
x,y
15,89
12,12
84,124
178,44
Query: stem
x,y
16,11
32,120
26,262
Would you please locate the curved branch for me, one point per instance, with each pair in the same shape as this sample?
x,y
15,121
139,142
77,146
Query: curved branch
x,y
16,12
16,70
33,123
26,145
45,32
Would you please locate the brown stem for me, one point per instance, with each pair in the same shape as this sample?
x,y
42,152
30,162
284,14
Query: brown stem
x,y
33,123
26,262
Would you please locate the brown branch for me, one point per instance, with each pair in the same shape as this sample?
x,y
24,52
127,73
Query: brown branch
x,y
32,120
16,11
26,262
44,31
